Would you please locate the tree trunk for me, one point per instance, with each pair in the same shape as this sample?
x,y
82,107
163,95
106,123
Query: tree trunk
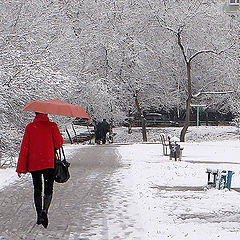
x,y
129,122
217,119
188,103
140,114
206,118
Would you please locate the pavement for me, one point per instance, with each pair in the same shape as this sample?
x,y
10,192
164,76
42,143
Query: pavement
x,y
75,206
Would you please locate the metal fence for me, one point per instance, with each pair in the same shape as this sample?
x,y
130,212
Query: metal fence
x,y
151,123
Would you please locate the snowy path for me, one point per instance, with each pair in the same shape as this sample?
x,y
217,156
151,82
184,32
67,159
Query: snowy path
x,y
113,194
75,204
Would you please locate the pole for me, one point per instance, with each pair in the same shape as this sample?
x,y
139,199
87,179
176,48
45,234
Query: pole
x,y
198,112
197,116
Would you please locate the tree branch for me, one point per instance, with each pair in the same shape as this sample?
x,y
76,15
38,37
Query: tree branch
x,y
164,25
201,52
220,92
180,43
201,89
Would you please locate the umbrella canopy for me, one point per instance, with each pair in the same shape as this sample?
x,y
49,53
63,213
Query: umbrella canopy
x,y
56,107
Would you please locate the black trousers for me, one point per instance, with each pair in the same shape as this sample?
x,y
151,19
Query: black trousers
x,y
42,204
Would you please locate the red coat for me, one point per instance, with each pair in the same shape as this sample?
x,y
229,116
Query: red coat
x,y
37,149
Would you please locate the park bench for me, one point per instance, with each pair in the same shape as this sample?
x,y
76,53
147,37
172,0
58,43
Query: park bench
x,y
175,150
219,179
83,137
164,144
80,137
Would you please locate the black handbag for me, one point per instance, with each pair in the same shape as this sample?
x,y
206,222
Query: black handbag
x,y
61,165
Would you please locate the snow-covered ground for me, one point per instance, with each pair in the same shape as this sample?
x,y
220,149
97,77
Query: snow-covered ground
x,y
182,212
194,134
163,203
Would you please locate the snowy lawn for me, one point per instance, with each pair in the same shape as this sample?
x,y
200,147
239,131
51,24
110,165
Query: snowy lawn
x,y
184,214
191,171
7,176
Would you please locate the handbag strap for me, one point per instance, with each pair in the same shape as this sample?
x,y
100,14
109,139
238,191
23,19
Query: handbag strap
x,y
60,154
61,149
56,153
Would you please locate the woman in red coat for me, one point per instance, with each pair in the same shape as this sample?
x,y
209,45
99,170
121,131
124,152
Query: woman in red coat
x,y
37,157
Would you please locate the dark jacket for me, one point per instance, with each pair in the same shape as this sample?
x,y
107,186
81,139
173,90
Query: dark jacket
x,y
101,130
105,127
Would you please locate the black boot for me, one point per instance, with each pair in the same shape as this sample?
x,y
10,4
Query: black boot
x,y
38,206
45,219
46,203
39,218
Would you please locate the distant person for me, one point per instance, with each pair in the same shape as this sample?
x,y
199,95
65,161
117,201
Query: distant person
x,y
37,157
98,133
101,130
105,130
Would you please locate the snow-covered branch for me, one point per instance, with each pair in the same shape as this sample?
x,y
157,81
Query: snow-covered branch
x,y
201,52
215,92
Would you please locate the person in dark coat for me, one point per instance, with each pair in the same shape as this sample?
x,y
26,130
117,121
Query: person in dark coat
x,y
36,156
105,128
101,130
98,133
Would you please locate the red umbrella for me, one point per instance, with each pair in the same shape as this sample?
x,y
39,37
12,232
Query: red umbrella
x,y
56,107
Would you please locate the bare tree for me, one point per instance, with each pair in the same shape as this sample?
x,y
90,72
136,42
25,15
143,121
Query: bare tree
x,y
185,25
188,62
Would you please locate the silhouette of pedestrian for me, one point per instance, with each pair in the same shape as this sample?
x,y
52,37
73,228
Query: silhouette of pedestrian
x,y
101,130
105,130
